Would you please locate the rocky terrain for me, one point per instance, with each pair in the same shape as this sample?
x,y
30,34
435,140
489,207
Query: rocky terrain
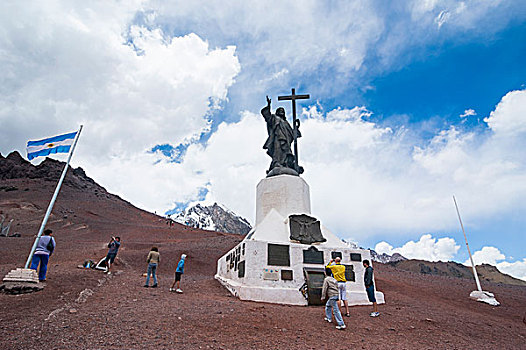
x,y
86,309
214,218
386,258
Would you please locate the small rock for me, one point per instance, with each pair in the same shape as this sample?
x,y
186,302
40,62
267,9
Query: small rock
x,y
72,311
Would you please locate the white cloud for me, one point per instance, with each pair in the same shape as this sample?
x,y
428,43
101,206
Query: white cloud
x,y
427,248
365,179
67,63
384,248
509,117
516,269
487,255
442,18
468,113
493,256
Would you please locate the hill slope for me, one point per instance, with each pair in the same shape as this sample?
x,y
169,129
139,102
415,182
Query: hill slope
x,y
485,272
85,309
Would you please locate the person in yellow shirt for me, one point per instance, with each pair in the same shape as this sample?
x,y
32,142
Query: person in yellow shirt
x,y
338,271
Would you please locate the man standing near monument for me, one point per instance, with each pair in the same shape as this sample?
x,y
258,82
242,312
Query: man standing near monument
x,y
329,292
338,271
280,137
46,246
369,287
113,246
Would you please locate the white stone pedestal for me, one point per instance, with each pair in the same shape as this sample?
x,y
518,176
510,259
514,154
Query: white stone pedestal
x,y
287,194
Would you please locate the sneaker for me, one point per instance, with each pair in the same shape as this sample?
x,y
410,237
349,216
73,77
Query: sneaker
x,y
154,286
172,290
341,327
374,314
326,319
146,286
178,290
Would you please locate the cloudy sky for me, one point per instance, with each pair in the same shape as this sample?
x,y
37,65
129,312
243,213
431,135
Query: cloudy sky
x,y
412,102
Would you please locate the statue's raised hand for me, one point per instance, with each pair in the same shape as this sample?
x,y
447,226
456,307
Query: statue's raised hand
x,y
268,101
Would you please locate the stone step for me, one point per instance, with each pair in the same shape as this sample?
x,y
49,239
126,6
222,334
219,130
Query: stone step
x,y
21,275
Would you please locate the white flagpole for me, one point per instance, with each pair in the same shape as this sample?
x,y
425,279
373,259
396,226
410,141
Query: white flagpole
x,y
467,245
50,207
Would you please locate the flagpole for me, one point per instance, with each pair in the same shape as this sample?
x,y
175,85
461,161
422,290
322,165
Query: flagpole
x,y
50,207
467,245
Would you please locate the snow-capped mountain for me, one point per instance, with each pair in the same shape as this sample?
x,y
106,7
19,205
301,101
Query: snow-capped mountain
x,y
214,218
385,258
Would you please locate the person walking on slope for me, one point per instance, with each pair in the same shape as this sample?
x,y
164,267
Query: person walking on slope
x,y
369,287
179,270
330,292
338,271
113,246
153,260
45,247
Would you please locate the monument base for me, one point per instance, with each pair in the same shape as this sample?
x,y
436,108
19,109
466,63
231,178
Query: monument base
x,y
282,259
287,296
282,171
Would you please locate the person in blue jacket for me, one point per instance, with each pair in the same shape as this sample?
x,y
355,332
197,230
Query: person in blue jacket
x,y
46,246
179,270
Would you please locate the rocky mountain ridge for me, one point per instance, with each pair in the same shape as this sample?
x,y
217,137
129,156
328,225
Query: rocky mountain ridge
x,y
486,272
213,218
386,258
15,167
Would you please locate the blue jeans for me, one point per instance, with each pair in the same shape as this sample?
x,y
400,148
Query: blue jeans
x,y
332,305
370,293
43,260
152,268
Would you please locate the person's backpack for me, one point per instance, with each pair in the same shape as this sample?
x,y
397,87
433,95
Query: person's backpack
x,y
50,246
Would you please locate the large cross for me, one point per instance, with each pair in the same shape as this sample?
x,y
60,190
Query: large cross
x,y
293,97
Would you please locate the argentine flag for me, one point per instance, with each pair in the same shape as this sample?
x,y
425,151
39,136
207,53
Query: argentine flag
x,y
55,144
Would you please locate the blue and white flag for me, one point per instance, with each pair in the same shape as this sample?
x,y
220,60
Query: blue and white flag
x,y
55,144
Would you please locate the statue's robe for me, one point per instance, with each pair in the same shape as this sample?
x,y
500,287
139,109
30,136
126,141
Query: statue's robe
x,y
280,137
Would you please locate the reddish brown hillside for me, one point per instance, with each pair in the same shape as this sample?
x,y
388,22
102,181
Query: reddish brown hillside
x,y
85,309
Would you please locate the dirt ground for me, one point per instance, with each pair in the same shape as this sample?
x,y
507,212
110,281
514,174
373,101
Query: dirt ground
x,y
86,309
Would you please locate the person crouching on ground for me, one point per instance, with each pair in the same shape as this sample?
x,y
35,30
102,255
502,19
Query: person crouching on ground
x,y
331,293
179,270
113,246
369,287
153,260
338,271
45,247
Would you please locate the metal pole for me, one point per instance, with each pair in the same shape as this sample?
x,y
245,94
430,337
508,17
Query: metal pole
x,y
50,207
295,130
467,245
